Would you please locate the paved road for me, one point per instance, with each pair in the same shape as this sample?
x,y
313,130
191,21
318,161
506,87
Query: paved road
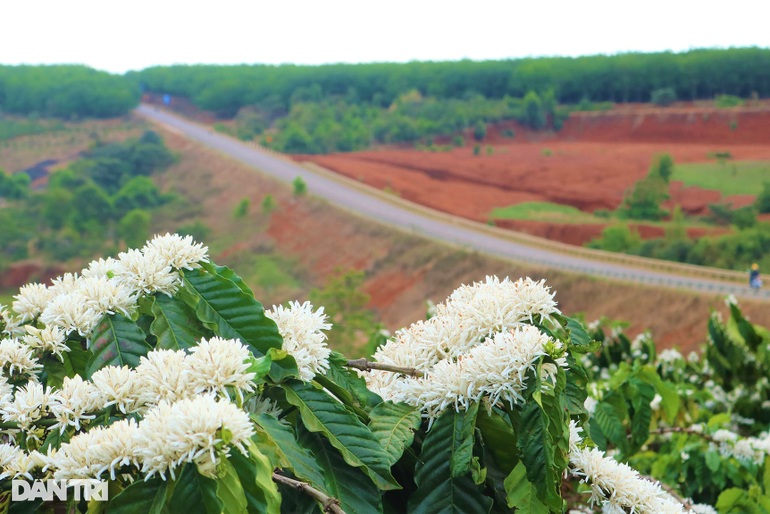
x,y
337,192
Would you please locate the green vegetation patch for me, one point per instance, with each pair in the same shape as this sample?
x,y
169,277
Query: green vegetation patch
x,y
11,128
730,178
544,211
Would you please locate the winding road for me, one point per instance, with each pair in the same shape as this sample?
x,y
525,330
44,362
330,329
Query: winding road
x,y
381,207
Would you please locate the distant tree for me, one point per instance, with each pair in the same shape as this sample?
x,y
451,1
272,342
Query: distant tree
x,y
268,204
663,97
762,202
299,186
14,186
663,166
242,209
480,130
534,115
134,228
617,238
138,193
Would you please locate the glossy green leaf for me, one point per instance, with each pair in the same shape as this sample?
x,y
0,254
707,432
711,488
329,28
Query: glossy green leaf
x,y
280,439
149,496
194,493
499,439
521,494
255,474
446,451
358,446
229,489
116,341
355,491
175,324
230,312
394,424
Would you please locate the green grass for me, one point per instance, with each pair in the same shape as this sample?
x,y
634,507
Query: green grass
x,y
730,178
545,211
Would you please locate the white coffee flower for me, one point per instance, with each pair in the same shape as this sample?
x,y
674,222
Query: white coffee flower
x,y
70,312
700,508
74,401
121,387
50,339
669,355
17,360
29,405
11,325
103,296
618,485
216,364
189,430
89,455
146,274
177,251
30,301
259,405
100,268
164,375
301,329
19,466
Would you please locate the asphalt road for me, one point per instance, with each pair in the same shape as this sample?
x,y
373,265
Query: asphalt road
x,y
340,193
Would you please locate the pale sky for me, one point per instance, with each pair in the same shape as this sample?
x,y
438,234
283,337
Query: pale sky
x,y
120,35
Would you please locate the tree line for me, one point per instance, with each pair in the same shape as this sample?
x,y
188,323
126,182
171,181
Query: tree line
x,y
629,77
66,91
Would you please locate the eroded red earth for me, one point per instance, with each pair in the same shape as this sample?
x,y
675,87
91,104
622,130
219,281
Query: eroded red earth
x,y
589,164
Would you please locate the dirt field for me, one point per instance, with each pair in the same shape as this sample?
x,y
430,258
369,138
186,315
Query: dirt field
x,y
589,164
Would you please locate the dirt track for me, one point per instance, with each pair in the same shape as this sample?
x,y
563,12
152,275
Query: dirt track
x,y
436,227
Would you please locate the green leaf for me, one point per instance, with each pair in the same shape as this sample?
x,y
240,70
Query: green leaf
x,y
283,442
670,397
229,489
116,341
358,446
175,325
641,396
149,496
355,491
540,452
577,388
521,493
194,493
283,366
394,424
499,439
446,451
580,340
730,498
229,274
55,371
76,359
231,313
606,426
255,474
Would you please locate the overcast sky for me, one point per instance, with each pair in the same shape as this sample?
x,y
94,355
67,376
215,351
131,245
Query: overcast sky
x,y
120,35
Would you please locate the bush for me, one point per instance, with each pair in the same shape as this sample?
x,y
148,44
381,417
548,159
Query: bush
x,y
480,131
617,238
242,209
299,186
663,97
762,202
268,204
727,101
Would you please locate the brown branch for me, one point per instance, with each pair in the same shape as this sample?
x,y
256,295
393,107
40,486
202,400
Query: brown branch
x,y
329,504
365,365
670,490
682,430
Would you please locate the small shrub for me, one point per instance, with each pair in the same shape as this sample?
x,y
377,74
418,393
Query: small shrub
x,y
476,149
663,97
242,209
268,204
727,101
546,152
458,140
299,186
720,155
509,133
197,230
480,131
490,150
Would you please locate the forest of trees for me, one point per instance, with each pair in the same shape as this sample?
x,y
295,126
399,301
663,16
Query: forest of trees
x,y
100,200
67,91
631,77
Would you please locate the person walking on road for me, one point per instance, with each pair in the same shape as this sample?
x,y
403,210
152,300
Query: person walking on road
x,y
755,281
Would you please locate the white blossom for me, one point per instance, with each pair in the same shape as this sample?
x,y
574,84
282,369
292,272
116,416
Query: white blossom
x,y
216,364
121,387
29,405
70,312
301,329
11,326
17,360
30,301
164,375
189,430
100,268
179,252
50,339
146,274
72,403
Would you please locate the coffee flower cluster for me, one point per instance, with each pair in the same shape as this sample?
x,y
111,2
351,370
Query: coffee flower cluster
x,y
478,345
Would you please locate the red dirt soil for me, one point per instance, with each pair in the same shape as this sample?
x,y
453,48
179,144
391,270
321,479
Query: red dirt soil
x,y
589,164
